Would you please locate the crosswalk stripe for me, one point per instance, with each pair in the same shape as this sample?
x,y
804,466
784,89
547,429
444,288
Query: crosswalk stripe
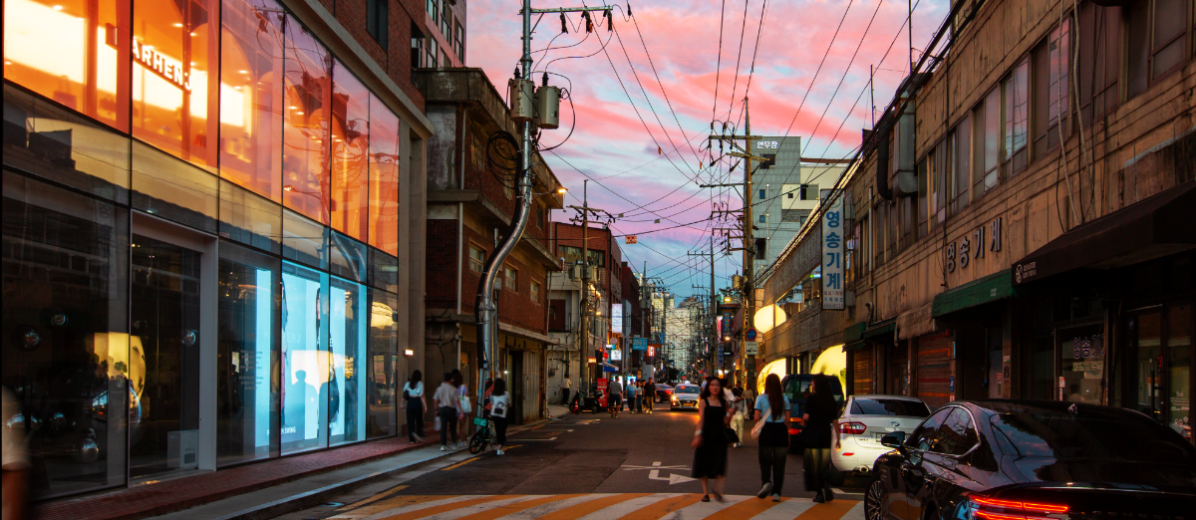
x,y
601,503
555,508
491,513
745,509
703,510
625,508
786,510
661,508
386,504
833,510
442,508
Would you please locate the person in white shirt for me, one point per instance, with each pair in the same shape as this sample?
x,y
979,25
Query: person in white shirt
x,y
448,407
465,406
500,402
416,405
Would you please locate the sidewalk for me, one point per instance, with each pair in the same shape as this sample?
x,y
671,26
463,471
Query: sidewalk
x,y
145,500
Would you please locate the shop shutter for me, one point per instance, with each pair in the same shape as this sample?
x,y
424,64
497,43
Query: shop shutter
x,y
864,375
934,369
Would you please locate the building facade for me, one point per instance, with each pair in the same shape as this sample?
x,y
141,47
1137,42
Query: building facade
x,y
213,232
605,291
1017,230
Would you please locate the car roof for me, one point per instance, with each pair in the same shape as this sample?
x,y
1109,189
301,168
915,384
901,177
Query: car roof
x,y
893,397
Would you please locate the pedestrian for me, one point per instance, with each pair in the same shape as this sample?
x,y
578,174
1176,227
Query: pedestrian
x,y
816,436
650,395
710,440
633,393
739,414
772,407
448,408
565,388
614,398
500,402
16,462
465,406
416,405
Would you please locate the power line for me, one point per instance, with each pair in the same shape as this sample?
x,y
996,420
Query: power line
x,y
718,67
738,57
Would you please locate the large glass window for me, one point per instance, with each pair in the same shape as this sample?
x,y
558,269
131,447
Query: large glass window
x,y
66,346
248,385
384,177
345,393
250,219
961,151
382,364
350,149
1017,117
74,52
251,100
173,189
305,124
305,366
175,91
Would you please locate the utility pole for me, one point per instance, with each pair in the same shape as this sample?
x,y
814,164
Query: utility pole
x,y
583,295
711,355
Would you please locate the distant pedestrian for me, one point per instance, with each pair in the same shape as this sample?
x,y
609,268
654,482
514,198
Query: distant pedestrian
x,y
633,392
650,395
739,410
465,407
772,407
816,435
500,402
448,407
614,398
710,440
413,397
565,389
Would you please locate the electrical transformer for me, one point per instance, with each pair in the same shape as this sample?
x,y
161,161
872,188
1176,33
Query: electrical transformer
x,y
522,97
548,107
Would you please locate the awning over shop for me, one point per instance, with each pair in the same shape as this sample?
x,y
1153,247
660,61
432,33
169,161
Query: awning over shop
x,y
993,287
857,335
1155,227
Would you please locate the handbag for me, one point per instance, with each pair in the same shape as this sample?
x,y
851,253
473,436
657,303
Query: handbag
x,y
758,428
466,407
732,437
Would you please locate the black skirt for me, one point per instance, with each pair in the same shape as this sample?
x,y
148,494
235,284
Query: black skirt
x,y
710,459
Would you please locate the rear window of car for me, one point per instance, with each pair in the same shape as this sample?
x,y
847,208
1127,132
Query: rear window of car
x,y
688,389
889,407
1044,433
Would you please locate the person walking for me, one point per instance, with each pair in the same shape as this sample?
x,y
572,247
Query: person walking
x,y
416,405
816,435
500,402
448,408
710,440
772,407
739,410
650,395
615,398
633,392
465,406
565,388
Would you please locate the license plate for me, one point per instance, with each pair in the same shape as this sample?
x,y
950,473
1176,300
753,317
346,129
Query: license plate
x,y
882,434
480,421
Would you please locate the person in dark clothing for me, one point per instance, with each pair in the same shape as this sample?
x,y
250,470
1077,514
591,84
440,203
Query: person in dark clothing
x,y
710,440
817,435
773,408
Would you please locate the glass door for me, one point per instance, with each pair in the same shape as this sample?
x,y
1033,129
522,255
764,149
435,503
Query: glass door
x,y
1082,364
1161,356
165,319
1178,375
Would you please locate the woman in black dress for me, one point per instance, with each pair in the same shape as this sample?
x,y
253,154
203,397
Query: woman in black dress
x,y
710,440
817,435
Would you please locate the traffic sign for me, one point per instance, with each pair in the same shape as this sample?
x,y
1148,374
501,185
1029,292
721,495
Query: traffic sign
x,y
752,348
750,334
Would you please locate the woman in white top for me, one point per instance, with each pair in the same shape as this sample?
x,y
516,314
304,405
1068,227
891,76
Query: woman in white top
x,y
413,397
463,396
500,402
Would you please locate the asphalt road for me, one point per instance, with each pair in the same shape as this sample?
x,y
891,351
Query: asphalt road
x,y
586,454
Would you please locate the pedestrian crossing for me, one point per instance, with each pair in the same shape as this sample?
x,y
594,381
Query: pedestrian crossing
x,y
596,506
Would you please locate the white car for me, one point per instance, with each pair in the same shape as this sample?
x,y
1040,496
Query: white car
x,y
867,418
685,396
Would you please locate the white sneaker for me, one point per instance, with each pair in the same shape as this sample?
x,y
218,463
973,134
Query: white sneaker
x,y
443,447
499,452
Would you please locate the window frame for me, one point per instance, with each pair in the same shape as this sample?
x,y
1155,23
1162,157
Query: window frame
x,y
481,263
510,283
974,428
534,292
1016,160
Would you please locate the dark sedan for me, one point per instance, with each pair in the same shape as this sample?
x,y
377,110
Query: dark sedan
x,y
1036,460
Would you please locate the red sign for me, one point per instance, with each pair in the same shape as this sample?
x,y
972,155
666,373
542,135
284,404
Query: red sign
x,y
630,239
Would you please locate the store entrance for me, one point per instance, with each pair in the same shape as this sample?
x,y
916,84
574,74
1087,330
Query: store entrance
x,y
1160,363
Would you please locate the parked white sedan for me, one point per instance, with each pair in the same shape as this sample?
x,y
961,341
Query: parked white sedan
x,y
867,418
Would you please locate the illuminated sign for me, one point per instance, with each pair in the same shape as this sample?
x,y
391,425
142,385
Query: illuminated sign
x,y
164,66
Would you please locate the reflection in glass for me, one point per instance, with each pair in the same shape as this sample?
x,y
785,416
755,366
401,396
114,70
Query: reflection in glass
x,y
174,190
251,96
66,350
383,271
350,147
1082,364
348,257
344,393
1179,348
304,358
303,240
175,91
74,52
247,385
250,219
384,177
381,364
165,320
60,145
305,123
1146,333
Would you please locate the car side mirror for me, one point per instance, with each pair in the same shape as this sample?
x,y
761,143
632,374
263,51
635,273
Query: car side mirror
x,y
893,440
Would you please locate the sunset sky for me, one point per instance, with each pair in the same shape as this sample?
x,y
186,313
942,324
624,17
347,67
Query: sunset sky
x,y
619,152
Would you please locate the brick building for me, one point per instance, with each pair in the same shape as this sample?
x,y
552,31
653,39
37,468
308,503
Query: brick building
x,y
470,203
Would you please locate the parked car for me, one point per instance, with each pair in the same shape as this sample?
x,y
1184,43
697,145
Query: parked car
x,y
797,387
664,393
1034,459
685,396
868,418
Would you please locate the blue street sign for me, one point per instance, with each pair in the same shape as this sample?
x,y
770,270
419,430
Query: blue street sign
x,y
639,344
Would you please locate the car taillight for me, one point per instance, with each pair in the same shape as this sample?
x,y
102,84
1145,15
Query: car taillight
x,y
853,428
794,431
998,509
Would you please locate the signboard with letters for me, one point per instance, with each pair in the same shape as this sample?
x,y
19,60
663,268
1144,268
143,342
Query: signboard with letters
x,y
833,291
639,344
616,318
960,253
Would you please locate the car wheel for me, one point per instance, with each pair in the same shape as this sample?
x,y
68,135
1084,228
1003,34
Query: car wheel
x,y
874,500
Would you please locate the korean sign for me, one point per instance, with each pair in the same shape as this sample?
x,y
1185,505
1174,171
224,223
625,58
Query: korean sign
x,y
833,297
616,318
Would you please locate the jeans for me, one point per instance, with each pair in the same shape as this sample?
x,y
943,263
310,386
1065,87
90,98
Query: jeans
x,y
448,424
639,403
500,430
772,466
415,418
817,464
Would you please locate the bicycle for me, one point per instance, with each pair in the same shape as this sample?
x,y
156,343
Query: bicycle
x,y
482,438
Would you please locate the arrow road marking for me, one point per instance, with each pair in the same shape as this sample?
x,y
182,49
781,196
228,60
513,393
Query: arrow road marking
x,y
654,474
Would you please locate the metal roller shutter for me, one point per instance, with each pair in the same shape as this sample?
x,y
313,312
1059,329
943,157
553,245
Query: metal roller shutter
x,y
934,369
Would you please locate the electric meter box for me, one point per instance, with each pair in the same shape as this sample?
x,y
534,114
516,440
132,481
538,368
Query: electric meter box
x,y
522,96
548,107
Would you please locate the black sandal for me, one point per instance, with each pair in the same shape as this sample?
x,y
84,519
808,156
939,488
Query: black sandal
x,y
705,498
718,496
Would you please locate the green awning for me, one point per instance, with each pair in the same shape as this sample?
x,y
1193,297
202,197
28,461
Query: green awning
x,y
882,328
856,345
855,332
993,287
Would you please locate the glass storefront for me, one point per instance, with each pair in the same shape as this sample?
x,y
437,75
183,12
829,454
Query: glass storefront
x,y
200,237
1161,353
